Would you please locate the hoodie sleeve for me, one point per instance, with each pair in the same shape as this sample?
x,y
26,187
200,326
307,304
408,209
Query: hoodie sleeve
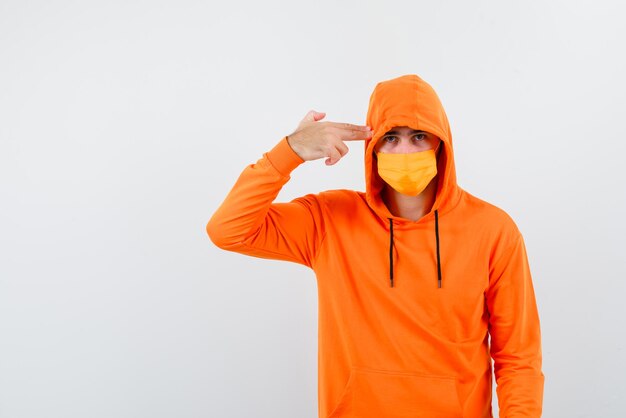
x,y
248,222
515,334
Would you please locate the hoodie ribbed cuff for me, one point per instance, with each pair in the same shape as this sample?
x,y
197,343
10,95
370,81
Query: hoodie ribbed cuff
x,y
283,157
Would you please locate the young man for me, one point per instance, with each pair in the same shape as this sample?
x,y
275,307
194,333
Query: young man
x,y
420,283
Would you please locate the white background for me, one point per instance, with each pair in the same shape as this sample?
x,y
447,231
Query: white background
x,y
124,124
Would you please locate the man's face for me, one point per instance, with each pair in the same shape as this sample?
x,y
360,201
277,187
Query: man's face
x,y
403,140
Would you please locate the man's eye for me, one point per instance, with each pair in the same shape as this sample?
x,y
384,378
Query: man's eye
x,y
392,138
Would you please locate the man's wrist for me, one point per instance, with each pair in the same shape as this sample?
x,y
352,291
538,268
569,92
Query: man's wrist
x,y
283,157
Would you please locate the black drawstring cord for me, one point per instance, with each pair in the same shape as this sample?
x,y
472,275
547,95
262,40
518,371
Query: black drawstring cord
x,y
391,251
437,235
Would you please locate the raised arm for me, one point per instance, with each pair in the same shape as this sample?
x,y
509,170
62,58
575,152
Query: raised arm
x,y
249,222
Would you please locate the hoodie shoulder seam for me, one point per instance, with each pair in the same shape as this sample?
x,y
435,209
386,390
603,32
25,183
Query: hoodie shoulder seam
x,y
324,212
508,251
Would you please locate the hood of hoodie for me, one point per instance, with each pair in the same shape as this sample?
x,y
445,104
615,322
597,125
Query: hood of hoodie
x,y
410,101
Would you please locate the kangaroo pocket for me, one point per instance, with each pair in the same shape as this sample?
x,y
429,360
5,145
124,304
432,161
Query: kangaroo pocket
x,y
393,394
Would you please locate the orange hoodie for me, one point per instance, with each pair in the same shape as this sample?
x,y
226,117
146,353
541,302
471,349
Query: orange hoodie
x,y
406,308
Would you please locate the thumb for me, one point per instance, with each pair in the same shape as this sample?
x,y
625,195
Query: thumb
x,y
314,116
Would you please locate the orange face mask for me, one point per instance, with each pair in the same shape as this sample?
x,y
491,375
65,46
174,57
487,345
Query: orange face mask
x,y
408,173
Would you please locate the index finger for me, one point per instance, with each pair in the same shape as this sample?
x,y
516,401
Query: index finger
x,y
349,126
355,135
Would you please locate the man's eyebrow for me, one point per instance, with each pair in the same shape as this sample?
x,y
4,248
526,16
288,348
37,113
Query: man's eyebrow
x,y
413,131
